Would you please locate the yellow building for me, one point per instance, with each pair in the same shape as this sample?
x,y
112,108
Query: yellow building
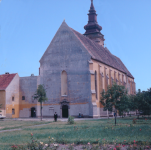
x,y
9,95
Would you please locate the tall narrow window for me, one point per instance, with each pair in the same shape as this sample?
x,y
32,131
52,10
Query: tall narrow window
x,y
64,83
107,82
116,81
112,81
101,82
23,97
119,78
114,76
132,87
13,111
96,84
13,98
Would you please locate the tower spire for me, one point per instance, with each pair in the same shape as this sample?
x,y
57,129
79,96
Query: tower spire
x,y
93,28
92,6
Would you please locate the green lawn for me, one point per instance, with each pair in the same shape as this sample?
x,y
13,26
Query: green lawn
x,y
12,124
81,132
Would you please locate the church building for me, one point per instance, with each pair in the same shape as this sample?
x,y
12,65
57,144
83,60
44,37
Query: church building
x,y
74,69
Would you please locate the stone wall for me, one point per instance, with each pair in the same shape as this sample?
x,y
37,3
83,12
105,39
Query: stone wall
x,y
66,53
27,87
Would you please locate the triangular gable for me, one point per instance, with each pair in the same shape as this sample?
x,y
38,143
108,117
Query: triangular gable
x,y
5,80
59,38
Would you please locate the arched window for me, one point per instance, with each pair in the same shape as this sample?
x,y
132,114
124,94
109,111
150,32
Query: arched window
x,y
96,84
116,81
107,81
112,81
132,87
63,83
101,81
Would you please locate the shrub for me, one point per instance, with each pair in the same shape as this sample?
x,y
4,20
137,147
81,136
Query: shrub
x,y
71,120
134,121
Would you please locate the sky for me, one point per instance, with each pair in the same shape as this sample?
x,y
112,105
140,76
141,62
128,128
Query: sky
x,y
28,26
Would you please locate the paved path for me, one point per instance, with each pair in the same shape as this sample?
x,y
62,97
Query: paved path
x,y
22,128
59,119
10,130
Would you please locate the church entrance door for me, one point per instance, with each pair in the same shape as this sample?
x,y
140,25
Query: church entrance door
x,y
64,111
33,112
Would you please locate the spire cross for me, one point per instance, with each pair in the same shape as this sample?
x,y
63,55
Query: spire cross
x,y
91,1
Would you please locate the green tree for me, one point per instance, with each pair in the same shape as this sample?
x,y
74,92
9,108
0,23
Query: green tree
x,y
144,102
123,104
116,98
149,100
135,101
133,104
40,95
141,102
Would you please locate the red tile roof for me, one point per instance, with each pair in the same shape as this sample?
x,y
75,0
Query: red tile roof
x,y
101,54
5,80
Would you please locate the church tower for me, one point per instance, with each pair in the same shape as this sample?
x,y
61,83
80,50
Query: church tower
x,y
93,28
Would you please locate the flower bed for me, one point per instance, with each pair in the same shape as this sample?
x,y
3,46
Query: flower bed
x,y
99,145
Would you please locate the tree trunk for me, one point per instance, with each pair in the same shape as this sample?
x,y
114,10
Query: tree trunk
x,y
41,110
108,113
115,119
122,114
137,116
115,116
